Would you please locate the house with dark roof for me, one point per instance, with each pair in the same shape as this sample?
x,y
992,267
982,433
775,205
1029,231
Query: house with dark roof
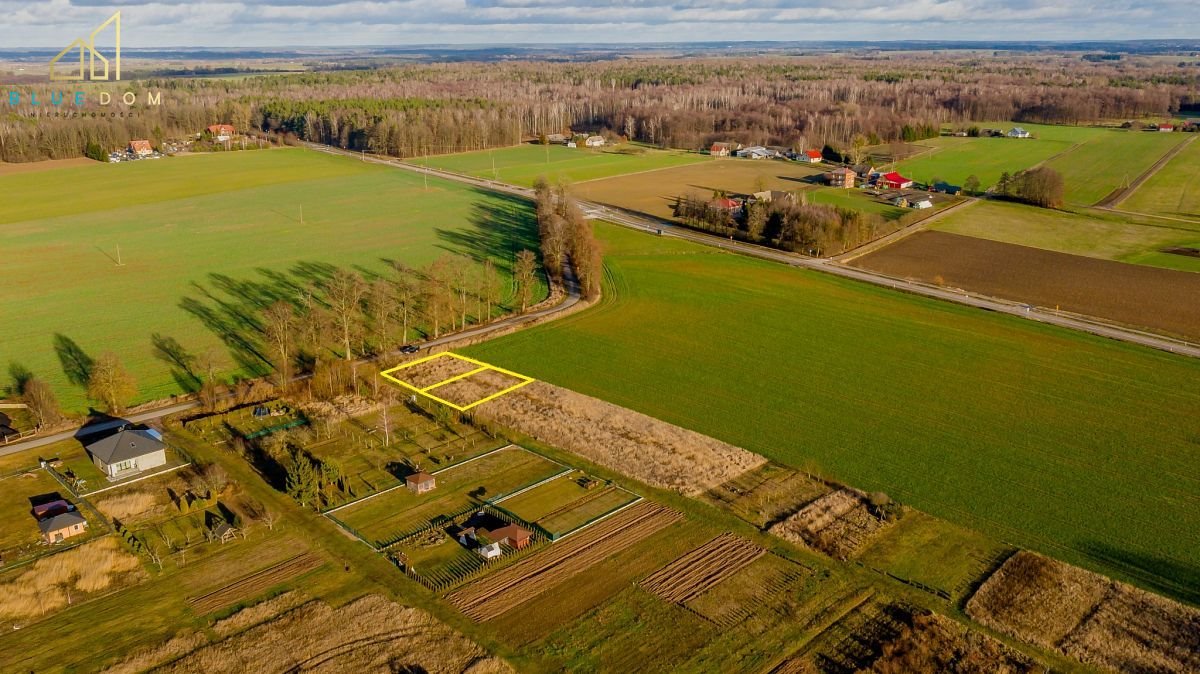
x,y
57,528
947,188
128,452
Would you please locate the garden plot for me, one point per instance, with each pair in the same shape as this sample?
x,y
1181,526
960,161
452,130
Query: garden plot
x,y
701,569
569,502
838,524
387,517
766,494
456,381
768,586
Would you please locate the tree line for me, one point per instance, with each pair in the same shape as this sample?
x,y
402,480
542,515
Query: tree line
x,y
1041,186
566,233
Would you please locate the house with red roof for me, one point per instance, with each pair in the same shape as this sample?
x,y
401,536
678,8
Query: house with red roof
x,y
895,181
811,156
141,148
220,132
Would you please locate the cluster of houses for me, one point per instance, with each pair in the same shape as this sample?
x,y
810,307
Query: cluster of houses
x,y
724,149
483,532
137,149
575,140
141,148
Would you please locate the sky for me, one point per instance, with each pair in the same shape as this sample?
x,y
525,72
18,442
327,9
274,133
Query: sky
x,y
300,23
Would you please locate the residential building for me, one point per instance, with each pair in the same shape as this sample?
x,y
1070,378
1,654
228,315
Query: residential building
x,y
894,181
490,551
512,535
811,157
50,509
127,452
721,149
1018,132
141,148
841,177
220,132
420,482
772,196
1166,128
58,528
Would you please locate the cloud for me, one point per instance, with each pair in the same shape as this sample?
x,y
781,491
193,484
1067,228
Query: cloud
x,y
158,23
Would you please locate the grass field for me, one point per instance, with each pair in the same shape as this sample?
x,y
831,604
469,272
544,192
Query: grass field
x,y
523,164
202,230
563,505
954,159
388,516
1047,438
855,199
1173,190
1094,234
1110,160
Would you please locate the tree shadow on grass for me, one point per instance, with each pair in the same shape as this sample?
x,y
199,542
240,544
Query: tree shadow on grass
x,y
76,363
501,225
1166,576
181,361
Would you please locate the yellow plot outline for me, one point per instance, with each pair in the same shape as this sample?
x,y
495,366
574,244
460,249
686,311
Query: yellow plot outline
x,y
482,367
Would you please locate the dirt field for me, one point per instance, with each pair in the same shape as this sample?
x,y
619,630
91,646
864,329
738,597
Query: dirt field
x,y
254,583
1134,295
655,193
696,572
7,169
516,584
634,444
1087,616
371,634
837,524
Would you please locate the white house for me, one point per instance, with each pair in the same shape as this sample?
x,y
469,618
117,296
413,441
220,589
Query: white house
x,y
1018,132
128,452
755,152
490,551
594,141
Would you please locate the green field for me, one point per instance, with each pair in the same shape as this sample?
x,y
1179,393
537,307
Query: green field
x,y
1110,160
1068,444
856,200
953,159
523,164
214,232
1095,233
563,505
1173,190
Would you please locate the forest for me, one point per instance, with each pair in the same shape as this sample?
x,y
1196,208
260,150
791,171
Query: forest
x,y
802,101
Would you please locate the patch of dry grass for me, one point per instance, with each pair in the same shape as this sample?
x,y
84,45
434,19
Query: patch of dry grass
x,y
371,634
1089,617
838,524
258,613
934,643
653,451
127,505
53,582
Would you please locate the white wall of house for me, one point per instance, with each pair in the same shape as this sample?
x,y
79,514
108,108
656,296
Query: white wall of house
x,y
144,462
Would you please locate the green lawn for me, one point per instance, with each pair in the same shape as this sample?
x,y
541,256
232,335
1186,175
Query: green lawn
x,y
1072,445
388,516
563,505
1093,234
953,159
523,164
203,237
1173,190
1110,160
19,533
856,200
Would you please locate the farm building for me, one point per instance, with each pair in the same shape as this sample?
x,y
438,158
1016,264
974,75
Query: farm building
x,y
420,482
756,152
1018,132
141,148
921,203
220,132
863,171
772,196
224,532
841,177
895,181
1166,128
556,139
811,157
58,528
128,452
594,141
490,551
723,149
512,535
947,188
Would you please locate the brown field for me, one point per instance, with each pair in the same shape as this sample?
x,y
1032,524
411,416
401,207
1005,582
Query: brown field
x,y
770,587
7,169
766,494
53,583
371,634
1089,617
934,643
694,573
653,451
1134,295
433,371
254,583
497,593
837,524
655,193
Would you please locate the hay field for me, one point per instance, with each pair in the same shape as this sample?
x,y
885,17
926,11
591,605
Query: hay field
x,y
655,194
1172,191
204,237
870,387
1132,295
53,583
524,164
1096,620
934,643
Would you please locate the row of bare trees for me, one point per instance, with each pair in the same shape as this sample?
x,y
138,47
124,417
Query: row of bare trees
x,y
566,233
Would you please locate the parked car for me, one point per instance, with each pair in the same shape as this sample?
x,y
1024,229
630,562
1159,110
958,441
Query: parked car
x,y
410,348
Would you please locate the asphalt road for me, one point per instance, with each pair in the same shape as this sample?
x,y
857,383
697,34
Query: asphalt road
x,y
665,228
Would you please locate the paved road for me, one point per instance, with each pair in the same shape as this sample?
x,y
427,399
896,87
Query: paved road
x,y
665,228
573,297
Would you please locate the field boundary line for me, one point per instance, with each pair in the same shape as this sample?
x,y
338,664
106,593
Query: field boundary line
x,y
144,477
483,367
338,523
600,519
1114,202
476,458
535,485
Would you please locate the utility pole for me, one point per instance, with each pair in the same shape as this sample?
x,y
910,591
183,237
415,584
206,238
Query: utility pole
x,y
119,263
302,214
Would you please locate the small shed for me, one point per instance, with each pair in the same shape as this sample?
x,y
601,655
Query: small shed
x,y
513,535
490,551
594,141
224,532
420,482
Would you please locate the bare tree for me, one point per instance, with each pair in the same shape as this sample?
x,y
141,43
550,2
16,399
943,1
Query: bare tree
x,y
110,384
490,287
279,328
524,274
41,401
344,295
